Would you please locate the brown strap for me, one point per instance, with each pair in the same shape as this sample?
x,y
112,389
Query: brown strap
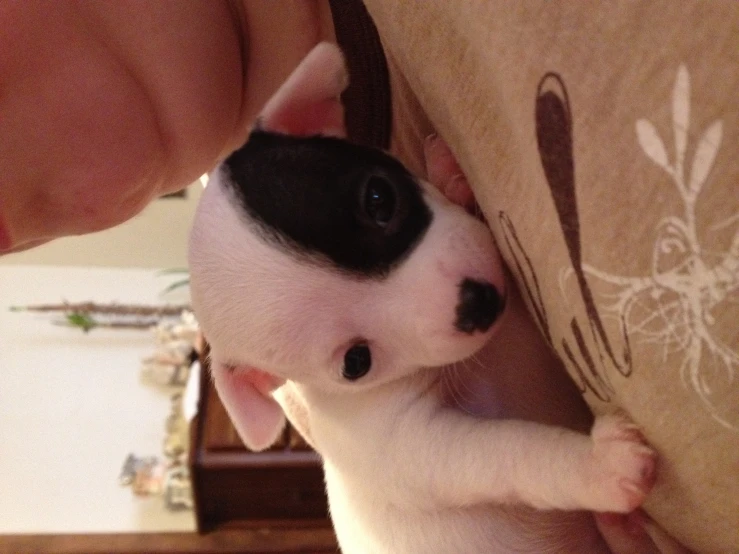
x,y
367,99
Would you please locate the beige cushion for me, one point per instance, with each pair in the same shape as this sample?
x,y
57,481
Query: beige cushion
x,y
601,140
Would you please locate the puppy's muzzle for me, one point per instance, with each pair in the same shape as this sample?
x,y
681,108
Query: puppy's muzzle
x,y
479,306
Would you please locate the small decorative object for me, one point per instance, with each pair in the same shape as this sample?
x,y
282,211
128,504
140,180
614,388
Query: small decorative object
x,y
170,364
129,470
149,478
177,429
178,489
184,328
144,475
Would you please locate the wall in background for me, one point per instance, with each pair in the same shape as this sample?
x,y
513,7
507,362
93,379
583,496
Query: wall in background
x,y
155,238
72,406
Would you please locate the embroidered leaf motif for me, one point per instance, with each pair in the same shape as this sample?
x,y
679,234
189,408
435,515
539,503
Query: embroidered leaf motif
x,y
672,305
681,112
705,155
651,143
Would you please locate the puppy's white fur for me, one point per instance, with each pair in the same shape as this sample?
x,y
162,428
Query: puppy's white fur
x,y
405,472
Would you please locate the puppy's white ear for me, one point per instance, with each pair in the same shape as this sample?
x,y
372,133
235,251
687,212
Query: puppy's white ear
x,y
246,395
308,102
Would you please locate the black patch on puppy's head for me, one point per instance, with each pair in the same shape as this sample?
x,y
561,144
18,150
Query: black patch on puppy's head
x,y
354,205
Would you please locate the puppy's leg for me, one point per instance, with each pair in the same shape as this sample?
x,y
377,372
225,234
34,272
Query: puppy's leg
x,y
462,460
615,468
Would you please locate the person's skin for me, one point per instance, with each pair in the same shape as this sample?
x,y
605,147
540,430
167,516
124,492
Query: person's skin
x,y
105,106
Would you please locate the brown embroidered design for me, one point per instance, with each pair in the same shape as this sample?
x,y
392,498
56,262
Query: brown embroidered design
x,y
672,306
554,139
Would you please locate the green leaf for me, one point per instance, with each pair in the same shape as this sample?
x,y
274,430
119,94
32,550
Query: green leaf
x,y
176,285
83,321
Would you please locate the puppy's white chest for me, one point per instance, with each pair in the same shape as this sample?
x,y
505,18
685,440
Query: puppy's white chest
x,y
346,427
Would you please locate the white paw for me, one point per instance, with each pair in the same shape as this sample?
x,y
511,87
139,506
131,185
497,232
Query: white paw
x,y
622,468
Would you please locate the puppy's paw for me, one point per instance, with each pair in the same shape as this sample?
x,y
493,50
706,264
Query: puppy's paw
x,y
444,173
622,468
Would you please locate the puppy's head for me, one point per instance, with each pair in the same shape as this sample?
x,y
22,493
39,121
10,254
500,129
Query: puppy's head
x,y
324,262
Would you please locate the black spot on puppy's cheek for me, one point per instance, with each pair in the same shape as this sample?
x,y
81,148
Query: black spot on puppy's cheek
x,y
355,206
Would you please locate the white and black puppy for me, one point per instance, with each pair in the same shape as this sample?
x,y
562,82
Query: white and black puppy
x,y
330,280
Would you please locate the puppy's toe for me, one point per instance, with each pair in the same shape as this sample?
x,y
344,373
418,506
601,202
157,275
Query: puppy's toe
x,y
623,466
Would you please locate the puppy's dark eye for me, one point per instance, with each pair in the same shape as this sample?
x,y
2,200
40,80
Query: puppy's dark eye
x,y
357,362
379,200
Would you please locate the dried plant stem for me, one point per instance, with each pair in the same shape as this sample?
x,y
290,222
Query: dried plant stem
x,y
109,309
135,325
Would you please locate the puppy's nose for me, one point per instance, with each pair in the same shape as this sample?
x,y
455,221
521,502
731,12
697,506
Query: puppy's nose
x,y
479,306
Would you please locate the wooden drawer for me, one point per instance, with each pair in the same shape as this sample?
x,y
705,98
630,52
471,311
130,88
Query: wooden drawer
x,y
234,487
